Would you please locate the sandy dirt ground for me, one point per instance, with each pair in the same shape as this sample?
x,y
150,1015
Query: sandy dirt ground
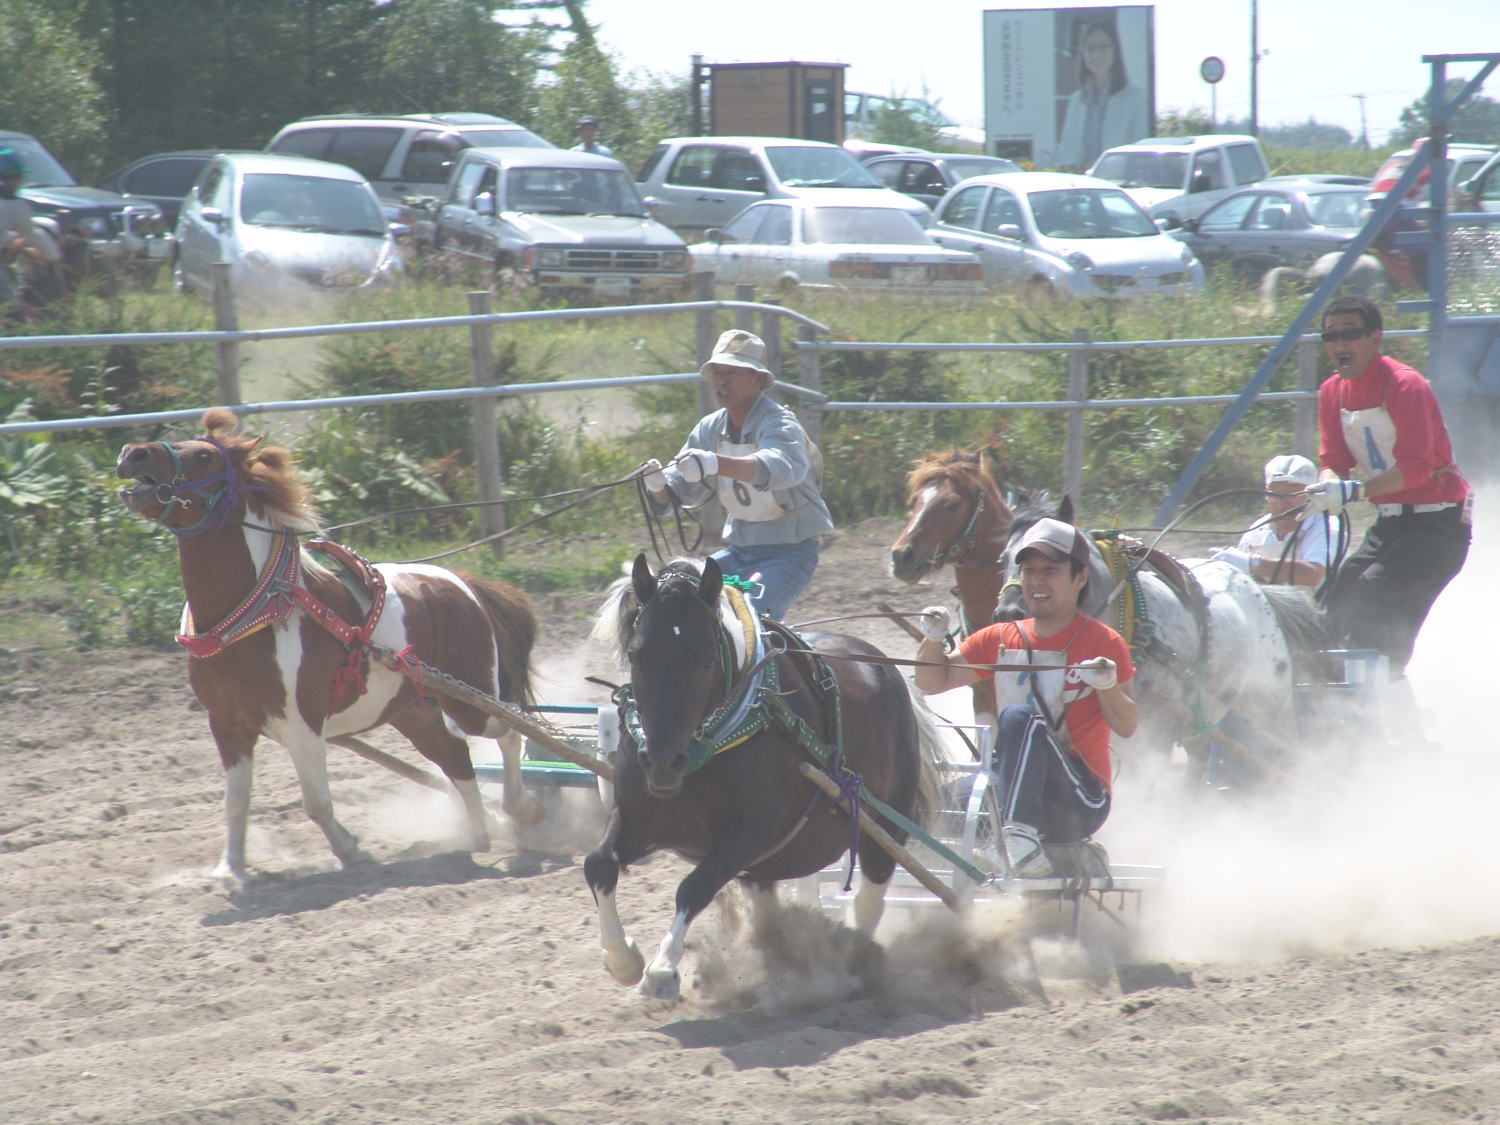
x,y
1326,955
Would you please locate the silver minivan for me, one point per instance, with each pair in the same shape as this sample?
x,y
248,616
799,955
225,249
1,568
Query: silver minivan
x,y
694,183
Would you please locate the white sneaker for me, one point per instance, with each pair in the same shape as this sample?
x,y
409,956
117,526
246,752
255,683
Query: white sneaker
x,y
1024,849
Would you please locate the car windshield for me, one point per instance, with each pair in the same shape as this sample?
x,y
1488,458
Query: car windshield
x,y
1143,169
979,166
504,138
1336,208
310,203
572,191
42,168
797,166
861,224
1089,213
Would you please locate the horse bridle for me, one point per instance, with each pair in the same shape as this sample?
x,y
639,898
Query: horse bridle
x,y
215,494
965,537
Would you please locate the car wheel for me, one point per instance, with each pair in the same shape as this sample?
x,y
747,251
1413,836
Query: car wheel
x,y
1040,289
788,285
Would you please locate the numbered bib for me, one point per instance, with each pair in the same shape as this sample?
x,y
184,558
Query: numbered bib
x,y
1020,688
741,500
1371,437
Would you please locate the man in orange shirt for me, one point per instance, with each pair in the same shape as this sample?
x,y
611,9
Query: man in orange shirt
x,y
1052,754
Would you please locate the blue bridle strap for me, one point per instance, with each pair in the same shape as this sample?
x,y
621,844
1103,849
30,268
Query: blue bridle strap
x,y
216,494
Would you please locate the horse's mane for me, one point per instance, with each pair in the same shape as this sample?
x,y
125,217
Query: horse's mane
x,y
614,624
965,468
279,494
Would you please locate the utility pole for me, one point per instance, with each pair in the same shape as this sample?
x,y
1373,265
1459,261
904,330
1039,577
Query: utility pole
x,y
1254,68
1364,128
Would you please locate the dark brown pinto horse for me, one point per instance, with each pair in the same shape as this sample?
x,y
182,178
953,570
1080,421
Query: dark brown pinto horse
x,y
956,517
264,665
745,812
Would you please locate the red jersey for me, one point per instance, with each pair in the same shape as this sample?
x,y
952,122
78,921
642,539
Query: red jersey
x,y
1064,693
1421,448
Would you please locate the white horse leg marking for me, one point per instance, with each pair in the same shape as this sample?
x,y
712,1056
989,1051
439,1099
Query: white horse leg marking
x,y
517,802
310,757
474,814
662,980
237,779
869,905
622,957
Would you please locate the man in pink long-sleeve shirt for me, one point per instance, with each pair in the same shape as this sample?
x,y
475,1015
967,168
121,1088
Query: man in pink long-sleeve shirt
x,y
1382,439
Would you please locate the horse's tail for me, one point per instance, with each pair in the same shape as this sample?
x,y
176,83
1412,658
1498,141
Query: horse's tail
x,y
1301,622
514,626
929,797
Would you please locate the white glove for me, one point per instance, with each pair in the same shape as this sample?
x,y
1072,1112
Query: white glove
x,y
695,464
937,622
1330,496
1236,557
1098,673
652,476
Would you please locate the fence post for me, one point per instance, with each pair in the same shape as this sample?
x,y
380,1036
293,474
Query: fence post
x,y
1305,419
1078,392
708,333
770,332
810,375
488,474
228,351
744,318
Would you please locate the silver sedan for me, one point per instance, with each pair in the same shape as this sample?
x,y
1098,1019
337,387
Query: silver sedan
x,y
842,239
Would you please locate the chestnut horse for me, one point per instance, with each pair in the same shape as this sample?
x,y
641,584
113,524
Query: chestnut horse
x,y
238,510
715,723
956,516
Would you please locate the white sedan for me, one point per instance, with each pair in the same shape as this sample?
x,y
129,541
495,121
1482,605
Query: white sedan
x,y
1054,233
843,239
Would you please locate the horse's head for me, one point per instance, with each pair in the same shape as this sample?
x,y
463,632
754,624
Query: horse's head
x,y
202,483
678,663
951,502
1012,605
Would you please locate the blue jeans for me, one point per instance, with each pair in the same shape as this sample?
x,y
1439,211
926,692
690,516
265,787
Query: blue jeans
x,y
784,571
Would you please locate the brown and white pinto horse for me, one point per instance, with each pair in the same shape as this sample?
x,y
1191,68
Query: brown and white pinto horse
x,y
266,665
956,516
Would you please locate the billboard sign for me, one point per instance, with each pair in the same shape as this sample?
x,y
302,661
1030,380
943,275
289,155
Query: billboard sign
x,y
1061,85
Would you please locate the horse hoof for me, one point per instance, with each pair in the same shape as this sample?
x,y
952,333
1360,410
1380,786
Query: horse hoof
x,y
625,966
661,984
229,877
529,812
357,858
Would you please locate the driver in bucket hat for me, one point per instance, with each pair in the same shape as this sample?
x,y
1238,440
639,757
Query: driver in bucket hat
x,y
754,455
1278,547
1058,710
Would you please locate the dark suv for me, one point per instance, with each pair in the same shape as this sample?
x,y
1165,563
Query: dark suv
x,y
99,232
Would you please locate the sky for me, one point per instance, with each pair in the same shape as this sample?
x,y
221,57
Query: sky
x,y
1316,54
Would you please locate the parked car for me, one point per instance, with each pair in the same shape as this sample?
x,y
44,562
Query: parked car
x,y
928,175
1063,234
560,221
283,222
162,178
1481,191
1177,178
1464,163
101,234
1280,222
401,155
842,238
694,183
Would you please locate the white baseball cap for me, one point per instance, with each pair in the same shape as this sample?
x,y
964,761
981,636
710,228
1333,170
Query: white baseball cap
x,y
1055,541
1291,467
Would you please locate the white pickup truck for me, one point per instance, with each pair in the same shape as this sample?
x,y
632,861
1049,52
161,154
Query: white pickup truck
x,y
1177,178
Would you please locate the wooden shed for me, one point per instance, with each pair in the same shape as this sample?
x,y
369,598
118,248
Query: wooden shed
x,y
777,99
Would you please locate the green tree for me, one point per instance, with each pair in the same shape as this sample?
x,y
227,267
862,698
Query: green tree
x,y
447,54
1190,122
46,82
1477,121
585,81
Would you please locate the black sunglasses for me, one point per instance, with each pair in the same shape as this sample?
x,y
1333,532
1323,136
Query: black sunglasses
x,y
1334,334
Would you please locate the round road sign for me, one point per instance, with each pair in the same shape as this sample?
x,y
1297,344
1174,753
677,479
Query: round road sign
x,y
1212,69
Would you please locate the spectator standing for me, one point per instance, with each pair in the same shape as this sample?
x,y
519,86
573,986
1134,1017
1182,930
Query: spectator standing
x,y
588,137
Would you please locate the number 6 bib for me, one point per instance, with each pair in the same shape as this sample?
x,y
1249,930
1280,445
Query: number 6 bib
x,y
740,500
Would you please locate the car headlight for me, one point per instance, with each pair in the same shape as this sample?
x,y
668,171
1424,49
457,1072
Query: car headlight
x,y
549,259
674,260
1080,261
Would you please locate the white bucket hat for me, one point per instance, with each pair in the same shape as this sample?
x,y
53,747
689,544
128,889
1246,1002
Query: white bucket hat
x,y
738,348
1290,467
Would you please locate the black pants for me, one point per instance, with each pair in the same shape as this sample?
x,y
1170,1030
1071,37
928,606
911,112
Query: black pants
x,y
1381,594
1041,784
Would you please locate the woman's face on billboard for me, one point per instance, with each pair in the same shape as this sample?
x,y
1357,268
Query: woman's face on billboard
x,y
1098,55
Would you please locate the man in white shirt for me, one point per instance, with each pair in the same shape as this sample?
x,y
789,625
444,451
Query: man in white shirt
x,y
1277,548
